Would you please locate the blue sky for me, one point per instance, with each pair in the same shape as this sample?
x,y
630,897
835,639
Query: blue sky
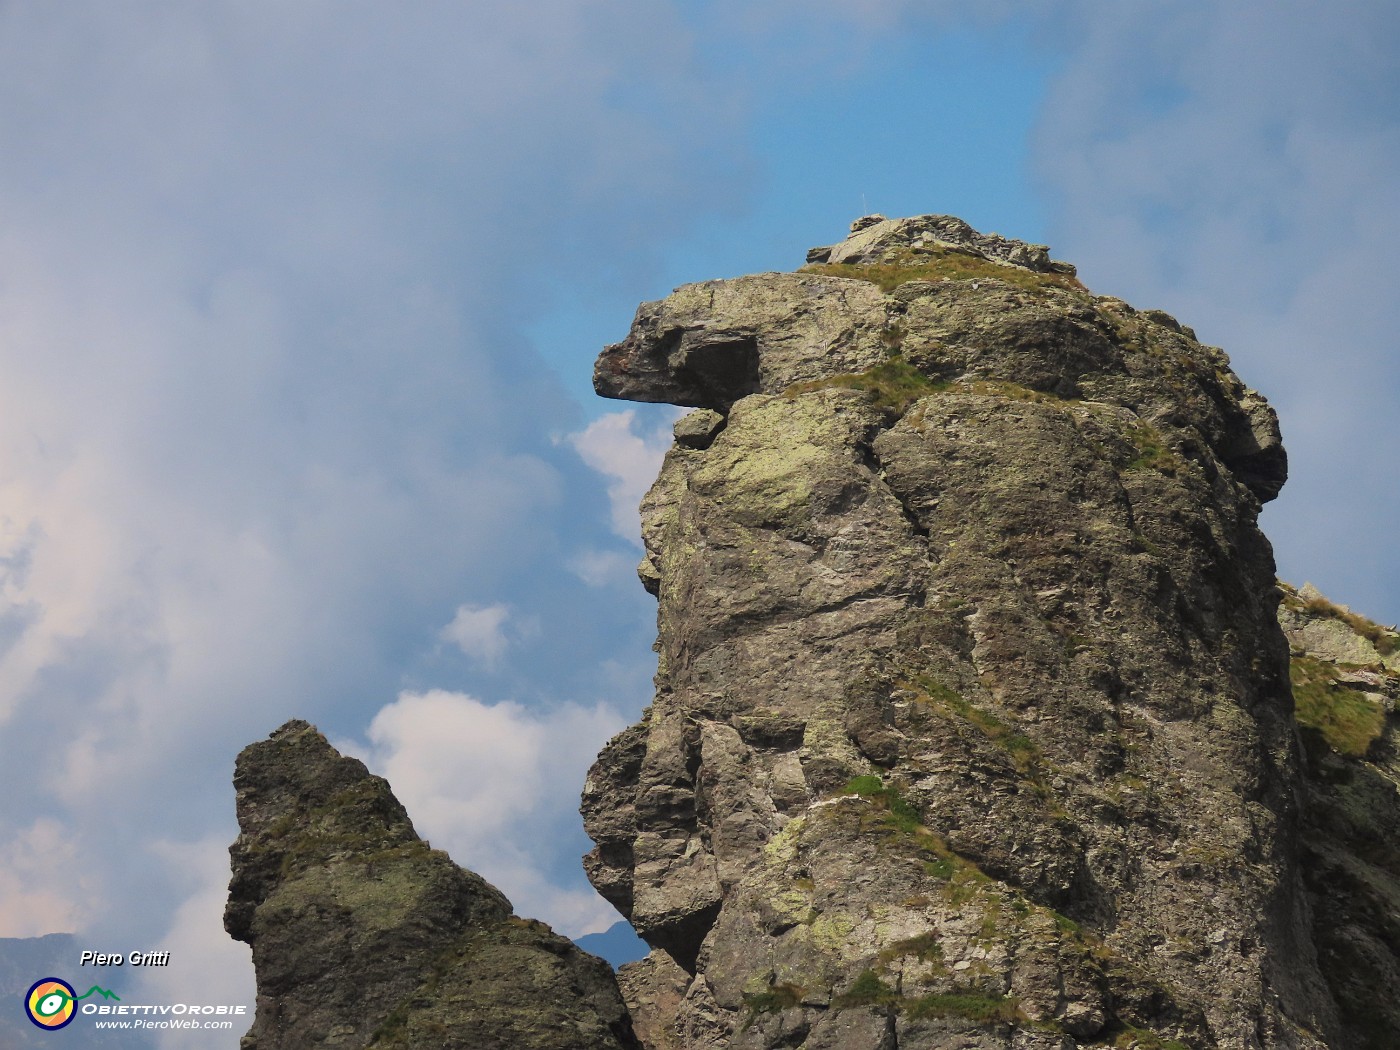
x,y
298,307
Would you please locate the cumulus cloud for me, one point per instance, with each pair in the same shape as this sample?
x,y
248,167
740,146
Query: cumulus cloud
x,y
496,785
630,460
41,889
479,631
206,965
269,412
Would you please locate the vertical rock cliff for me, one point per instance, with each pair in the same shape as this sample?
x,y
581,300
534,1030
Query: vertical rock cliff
x,y
973,723
363,936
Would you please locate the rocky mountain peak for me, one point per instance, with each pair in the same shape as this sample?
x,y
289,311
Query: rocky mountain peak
x,y
904,305
875,240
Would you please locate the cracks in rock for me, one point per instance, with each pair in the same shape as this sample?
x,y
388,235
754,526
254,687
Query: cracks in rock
x,y
872,462
781,618
683,938
873,594
871,459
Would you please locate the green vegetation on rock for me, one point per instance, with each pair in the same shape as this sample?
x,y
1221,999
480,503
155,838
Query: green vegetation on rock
x,y
360,929
1153,453
894,384
1007,389
925,947
1385,641
1019,748
1091,728
943,265
774,998
900,814
1347,720
1142,1039
974,1006
867,990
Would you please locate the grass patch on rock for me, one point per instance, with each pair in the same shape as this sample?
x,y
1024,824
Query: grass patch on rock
x,y
774,998
942,868
962,875
866,990
1020,749
1153,453
1009,390
942,265
925,947
971,1005
899,814
1143,1039
1347,720
1386,641
893,385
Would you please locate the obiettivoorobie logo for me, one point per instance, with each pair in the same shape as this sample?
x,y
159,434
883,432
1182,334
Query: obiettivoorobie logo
x,y
51,1003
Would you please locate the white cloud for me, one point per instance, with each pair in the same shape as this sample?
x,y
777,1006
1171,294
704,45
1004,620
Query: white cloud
x,y
630,461
497,785
268,406
599,568
42,889
267,409
479,632
206,965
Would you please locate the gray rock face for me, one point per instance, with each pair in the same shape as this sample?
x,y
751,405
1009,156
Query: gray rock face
x,y
973,724
1346,681
363,936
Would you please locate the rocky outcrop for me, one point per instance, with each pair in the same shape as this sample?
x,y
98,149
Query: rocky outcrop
x,y
1346,682
973,723
981,720
363,936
